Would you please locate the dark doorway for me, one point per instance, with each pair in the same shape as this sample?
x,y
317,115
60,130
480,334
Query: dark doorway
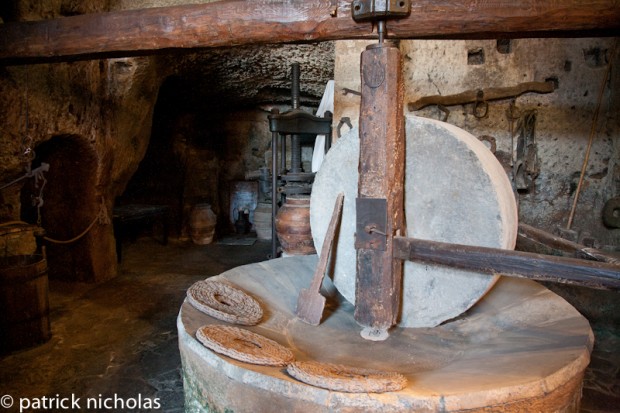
x,y
69,204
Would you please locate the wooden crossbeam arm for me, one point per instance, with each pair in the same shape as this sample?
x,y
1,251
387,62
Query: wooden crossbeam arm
x,y
592,274
240,22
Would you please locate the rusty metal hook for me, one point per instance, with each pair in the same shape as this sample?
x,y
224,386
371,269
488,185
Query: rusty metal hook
x,y
343,121
480,102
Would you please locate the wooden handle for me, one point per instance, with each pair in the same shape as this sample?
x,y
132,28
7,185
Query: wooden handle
x,y
485,95
592,274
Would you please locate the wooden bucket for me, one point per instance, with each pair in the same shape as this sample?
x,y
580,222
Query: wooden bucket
x,y
24,302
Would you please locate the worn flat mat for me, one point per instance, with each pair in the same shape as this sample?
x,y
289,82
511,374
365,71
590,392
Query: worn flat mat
x,y
455,191
520,342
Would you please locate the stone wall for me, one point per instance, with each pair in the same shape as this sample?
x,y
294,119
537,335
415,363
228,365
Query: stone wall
x,y
563,117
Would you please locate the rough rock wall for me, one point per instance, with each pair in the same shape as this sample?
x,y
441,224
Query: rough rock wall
x,y
24,10
104,107
563,118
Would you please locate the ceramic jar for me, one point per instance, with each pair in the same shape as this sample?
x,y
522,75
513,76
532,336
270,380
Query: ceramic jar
x,y
293,226
202,222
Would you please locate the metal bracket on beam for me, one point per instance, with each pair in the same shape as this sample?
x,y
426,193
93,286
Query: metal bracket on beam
x,y
371,225
370,10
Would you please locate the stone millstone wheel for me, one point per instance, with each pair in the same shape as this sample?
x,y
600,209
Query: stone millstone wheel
x,y
455,191
244,345
224,302
346,379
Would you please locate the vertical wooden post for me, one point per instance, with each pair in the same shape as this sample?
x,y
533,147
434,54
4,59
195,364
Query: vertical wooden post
x,y
380,212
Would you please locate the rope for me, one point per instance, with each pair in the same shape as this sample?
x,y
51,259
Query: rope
x,y
102,217
69,241
591,138
37,173
8,223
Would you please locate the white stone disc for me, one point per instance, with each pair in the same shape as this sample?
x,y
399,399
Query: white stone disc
x,y
455,191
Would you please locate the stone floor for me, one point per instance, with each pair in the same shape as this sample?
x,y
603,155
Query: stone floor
x,y
119,338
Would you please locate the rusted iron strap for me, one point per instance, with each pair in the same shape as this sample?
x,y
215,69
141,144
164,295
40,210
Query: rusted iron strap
x,y
519,264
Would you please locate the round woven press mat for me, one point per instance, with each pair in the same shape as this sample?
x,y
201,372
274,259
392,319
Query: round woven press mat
x,y
225,302
346,379
244,345
456,191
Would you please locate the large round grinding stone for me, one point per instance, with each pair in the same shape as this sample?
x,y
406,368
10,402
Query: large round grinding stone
x,y
455,191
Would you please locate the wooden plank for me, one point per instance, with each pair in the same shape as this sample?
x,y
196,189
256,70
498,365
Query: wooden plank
x,y
382,168
539,267
238,22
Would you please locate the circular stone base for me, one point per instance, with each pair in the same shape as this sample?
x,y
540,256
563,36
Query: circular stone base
x,y
520,349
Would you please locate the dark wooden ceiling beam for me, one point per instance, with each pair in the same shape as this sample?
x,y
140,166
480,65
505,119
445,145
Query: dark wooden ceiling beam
x,y
237,22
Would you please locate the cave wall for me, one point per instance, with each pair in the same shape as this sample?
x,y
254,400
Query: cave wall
x,y
103,105
212,132
210,126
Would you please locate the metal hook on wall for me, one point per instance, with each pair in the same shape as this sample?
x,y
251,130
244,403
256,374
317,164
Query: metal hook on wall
x,y
481,104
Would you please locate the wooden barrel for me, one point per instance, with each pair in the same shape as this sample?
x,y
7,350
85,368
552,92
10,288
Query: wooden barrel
x,y
202,222
24,302
293,226
262,220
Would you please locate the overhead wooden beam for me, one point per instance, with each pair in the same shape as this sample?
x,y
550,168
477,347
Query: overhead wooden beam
x,y
237,22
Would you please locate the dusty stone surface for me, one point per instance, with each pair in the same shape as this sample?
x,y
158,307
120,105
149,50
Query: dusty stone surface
x,y
19,10
455,191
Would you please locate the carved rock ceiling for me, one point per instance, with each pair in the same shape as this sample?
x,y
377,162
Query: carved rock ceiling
x,y
236,76
252,75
